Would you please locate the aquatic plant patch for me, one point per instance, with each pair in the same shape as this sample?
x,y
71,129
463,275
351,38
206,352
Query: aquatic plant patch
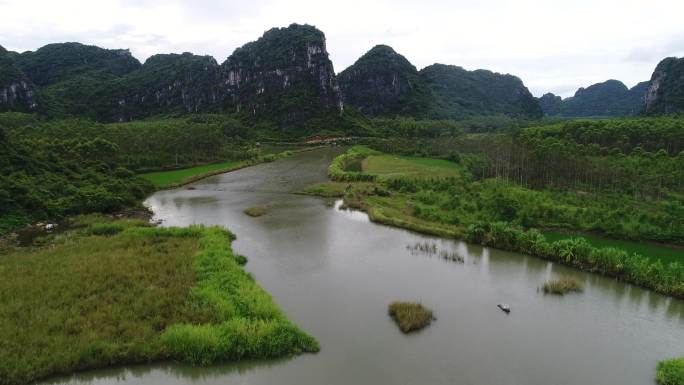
x,y
562,286
410,316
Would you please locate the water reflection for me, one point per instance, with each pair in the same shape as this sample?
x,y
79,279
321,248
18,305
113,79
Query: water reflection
x,y
166,371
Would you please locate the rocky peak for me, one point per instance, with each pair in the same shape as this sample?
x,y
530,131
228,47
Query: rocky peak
x,y
384,82
665,92
550,103
281,72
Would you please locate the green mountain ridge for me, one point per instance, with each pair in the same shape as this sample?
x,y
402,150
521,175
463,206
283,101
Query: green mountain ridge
x,y
286,79
285,76
459,93
607,99
383,82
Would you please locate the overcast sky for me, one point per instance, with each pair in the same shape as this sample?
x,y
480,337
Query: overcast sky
x,y
551,46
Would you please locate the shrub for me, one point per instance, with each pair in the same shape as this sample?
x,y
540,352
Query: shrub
x,y
670,372
410,316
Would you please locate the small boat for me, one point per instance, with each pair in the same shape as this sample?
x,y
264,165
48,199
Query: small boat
x,y
504,307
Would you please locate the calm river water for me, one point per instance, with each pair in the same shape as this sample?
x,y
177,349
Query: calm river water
x,y
334,273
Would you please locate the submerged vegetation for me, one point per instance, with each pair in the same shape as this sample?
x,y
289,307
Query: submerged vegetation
x,y
670,372
120,292
410,316
562,286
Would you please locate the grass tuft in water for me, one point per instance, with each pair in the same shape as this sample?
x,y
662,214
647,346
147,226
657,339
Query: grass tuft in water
x,y
562,286
256,211
410,316
670,372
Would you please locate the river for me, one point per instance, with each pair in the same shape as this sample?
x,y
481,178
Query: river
x,y
334,273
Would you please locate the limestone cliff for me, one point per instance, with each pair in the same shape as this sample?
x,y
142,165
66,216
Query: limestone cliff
x,y
665,92
17,92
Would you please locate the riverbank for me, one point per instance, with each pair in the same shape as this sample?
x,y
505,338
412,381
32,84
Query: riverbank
x,y
412,196
114,292
170,179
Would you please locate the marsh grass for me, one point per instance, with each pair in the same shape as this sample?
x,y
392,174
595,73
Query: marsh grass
x,y
410,316
670,372
562,286
256,211
132,295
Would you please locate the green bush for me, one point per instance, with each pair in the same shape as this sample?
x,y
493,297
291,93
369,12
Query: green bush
x,y
671,372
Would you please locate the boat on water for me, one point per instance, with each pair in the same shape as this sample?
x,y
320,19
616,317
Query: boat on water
x,y
504,307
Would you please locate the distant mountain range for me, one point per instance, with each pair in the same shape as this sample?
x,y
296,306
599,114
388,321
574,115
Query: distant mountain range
x,y
383,82
610,98
287,77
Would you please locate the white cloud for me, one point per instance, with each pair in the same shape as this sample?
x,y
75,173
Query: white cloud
x,y
552,46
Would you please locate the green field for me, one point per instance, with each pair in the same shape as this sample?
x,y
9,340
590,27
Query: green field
x,y
164,179
650,250
393,166
114,293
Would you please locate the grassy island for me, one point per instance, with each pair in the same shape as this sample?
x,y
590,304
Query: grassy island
x,y
256,211
410,316
120,292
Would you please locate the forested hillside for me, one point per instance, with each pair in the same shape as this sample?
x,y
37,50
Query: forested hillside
x,y
461,93
608,99
383,82
43,179
622,178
